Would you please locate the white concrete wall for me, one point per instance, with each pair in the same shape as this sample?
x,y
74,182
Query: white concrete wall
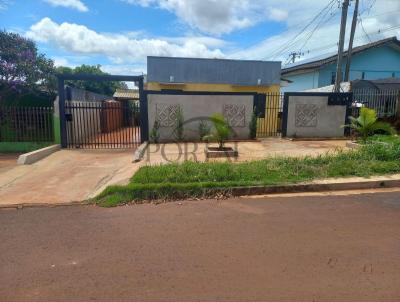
x,y
195,108
310,116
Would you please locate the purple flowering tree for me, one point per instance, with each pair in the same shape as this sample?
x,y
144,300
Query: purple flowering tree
x,y
22,68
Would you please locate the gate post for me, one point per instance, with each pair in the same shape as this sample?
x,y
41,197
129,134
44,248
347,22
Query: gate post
x,y
61,107
144,118
285,114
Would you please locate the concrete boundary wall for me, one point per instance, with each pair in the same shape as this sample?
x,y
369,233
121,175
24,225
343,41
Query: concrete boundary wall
x,y
315,115
197,106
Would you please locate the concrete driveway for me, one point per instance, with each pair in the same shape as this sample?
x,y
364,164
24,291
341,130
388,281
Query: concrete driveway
x,y
65,176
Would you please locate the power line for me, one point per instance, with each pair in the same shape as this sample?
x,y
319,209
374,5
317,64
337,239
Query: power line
x,y
328,46
293,40
363,29
318,27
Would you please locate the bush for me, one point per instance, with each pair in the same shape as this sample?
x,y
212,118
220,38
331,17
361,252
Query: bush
x,y
179,125
154,133
204,129
253,125
221,131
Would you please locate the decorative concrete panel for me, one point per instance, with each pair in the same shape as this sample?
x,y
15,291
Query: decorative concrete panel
x,y
235,114
167,114
306,115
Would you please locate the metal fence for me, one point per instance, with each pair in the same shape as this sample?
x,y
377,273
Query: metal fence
x,y
384,102
26,124
271,123
108,124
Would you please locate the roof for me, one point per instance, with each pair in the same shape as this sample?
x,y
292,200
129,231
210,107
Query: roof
x,y
174,70
131,94
344,87
317,62
381,84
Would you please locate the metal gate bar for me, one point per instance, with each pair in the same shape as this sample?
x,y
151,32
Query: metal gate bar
x,y
108,124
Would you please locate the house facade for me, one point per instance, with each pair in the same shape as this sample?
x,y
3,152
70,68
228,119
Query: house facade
x,y
212,75
377,60
220,76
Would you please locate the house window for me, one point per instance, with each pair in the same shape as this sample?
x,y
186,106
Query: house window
x,y
333,77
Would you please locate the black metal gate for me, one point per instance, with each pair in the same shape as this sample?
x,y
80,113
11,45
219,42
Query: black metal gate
x,y
106,124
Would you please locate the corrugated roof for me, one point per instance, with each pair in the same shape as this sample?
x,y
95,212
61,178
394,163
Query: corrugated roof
x,y
322,60
213,71
131,94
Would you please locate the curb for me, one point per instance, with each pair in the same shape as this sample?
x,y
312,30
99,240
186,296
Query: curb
x,y
388,182
138,155
316,187
34,156
43,205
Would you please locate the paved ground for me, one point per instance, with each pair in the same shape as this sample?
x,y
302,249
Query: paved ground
x,y
7,161
332,248
247,150
76,175
65,176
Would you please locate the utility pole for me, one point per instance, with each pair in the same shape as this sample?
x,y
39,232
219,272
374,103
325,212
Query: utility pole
x,y
350,49
293,55
345,7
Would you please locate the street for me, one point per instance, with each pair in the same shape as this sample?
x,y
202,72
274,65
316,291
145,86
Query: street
x,y
307,248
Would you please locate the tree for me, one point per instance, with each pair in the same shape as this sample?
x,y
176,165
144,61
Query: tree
x,y
101,87
22,68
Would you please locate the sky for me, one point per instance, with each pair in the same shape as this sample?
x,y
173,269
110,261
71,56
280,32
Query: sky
x,y
120,34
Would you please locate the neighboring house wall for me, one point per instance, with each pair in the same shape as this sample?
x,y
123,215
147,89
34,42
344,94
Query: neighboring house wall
x,y
371,64
308,79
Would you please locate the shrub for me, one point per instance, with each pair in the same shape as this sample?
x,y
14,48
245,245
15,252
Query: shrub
x,y
179,125
155,133
253,125
367,124
221,131
204,129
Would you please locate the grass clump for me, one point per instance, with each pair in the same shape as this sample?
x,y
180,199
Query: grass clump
x,y
202,180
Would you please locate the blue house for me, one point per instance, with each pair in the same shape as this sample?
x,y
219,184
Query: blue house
x,y
377,60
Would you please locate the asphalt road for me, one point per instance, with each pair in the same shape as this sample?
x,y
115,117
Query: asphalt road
x,y
320,248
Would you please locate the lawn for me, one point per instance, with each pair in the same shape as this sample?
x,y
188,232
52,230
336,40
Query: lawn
x,y
390,139
193,179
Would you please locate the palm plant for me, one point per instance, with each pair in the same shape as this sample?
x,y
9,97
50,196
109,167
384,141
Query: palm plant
x,y
221,131
367,124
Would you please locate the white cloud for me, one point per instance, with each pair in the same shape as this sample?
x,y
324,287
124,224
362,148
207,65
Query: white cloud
x,y
130,49
277,14
119,48
4,4
210,16
74,4
382,16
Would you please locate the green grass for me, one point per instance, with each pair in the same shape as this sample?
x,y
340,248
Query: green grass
x,y
21,147
390,139
199,180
